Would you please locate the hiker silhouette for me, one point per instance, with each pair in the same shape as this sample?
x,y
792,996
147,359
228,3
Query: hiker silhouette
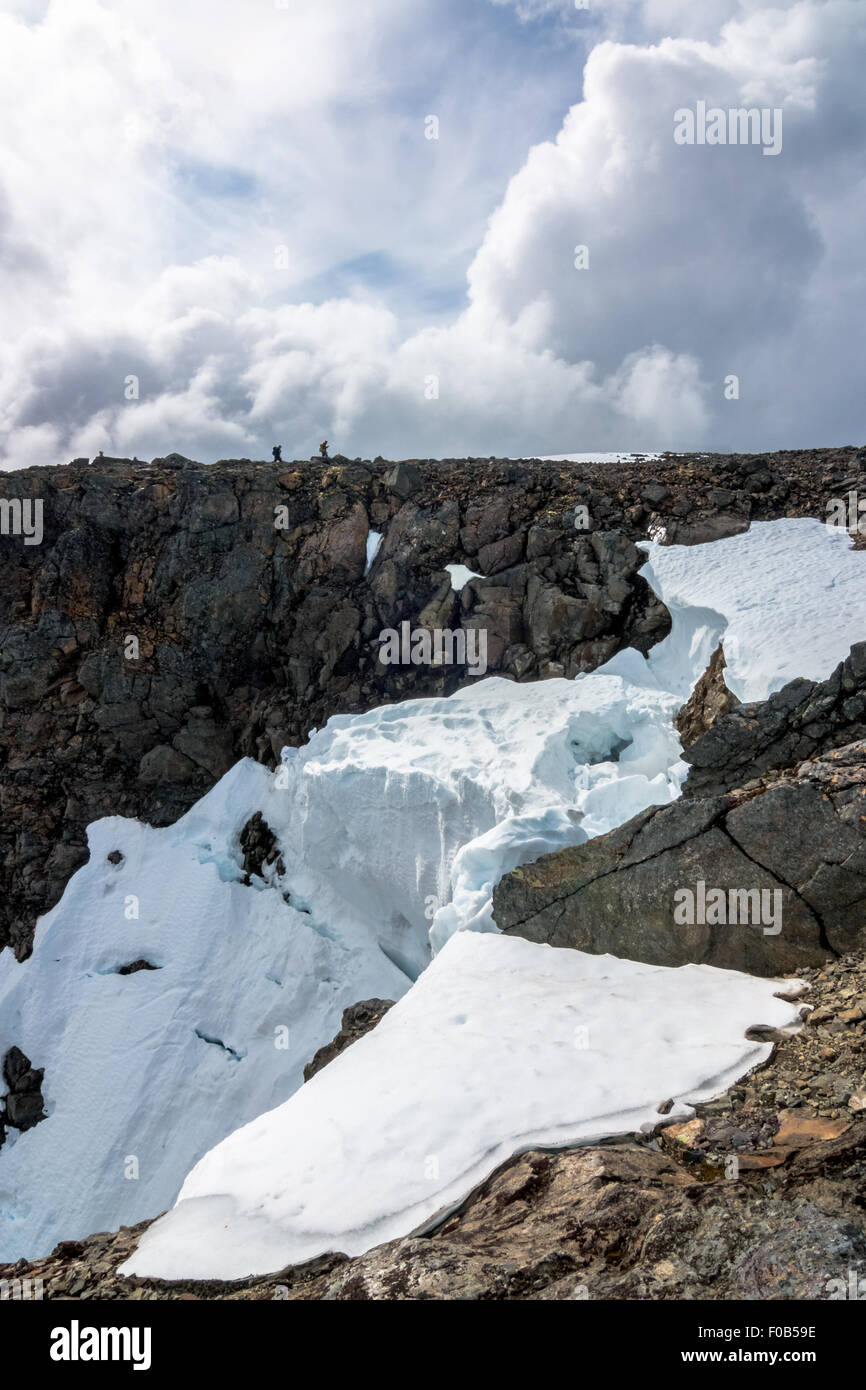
x,y
278,453
323,449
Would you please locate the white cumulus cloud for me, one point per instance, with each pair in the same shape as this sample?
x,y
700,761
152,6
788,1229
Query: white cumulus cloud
x,y
247,218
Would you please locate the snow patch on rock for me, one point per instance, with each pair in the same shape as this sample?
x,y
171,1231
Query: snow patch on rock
x,y
502,1045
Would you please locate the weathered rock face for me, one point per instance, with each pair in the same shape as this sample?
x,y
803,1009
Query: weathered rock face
x,y
785,863
176,617
357,1020
803,720
616,1221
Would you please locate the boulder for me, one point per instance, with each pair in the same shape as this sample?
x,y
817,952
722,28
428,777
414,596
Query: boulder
x,y
786,863
403,479
165,764
24,1104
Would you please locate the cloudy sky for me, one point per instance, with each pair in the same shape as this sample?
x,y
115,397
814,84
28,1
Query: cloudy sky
x,y
223,225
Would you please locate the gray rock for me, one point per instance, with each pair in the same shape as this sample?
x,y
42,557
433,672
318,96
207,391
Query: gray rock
x,y
790,840
165,764
403,479
24,1105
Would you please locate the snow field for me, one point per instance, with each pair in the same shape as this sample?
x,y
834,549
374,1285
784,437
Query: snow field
x,y
500,1046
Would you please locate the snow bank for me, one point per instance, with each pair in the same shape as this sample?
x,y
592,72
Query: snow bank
x,y
500,1046
789,597
145,1072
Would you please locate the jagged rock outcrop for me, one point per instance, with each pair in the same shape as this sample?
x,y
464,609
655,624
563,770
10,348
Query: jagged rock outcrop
x,y
357,1020
803,720
763,880
175,617
260,848
709,699
23,1105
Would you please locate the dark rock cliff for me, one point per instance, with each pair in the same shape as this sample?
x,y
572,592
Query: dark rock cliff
x,y
176,617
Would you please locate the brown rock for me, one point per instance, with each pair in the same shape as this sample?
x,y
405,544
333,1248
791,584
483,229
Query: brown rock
x,y
358,1019
710,698
797,1130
